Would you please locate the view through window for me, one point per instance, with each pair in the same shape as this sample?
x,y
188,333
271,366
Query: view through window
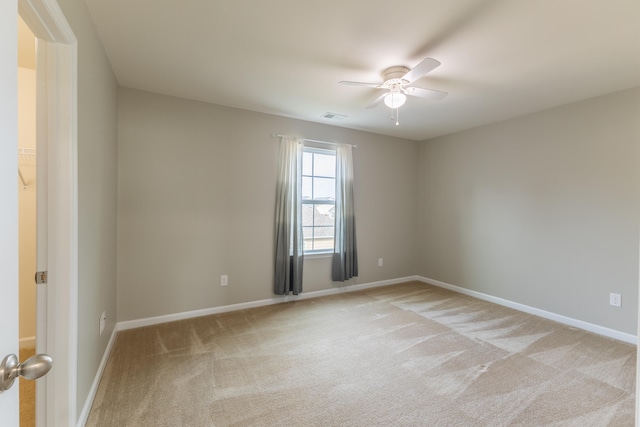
x,y
318,199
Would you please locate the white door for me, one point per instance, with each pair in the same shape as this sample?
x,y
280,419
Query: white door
x,y
9,412
60,82
57,148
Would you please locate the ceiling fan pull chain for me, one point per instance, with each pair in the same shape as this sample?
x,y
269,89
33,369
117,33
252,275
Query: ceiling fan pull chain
x,y
395,115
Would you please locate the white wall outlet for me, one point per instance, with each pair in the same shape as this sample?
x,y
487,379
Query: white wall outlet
x,y
615,299
103,321
380,262
224,280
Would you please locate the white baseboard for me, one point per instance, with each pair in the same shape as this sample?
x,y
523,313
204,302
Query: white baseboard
x,y
149,321
84,415
600,330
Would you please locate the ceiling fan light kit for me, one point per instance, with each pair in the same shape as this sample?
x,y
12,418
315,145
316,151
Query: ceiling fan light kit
x,y
395,99
397,82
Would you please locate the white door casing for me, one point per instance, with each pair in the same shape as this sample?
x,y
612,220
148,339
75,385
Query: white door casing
x,y
56,104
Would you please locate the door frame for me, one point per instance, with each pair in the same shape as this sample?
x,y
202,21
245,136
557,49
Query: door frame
x,y
57,124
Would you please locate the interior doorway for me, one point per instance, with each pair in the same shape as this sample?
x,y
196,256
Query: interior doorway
x,y
27,195
57,206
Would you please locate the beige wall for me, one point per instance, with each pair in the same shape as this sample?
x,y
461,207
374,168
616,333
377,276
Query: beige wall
x,y
97,201
27,203
541,210
196,198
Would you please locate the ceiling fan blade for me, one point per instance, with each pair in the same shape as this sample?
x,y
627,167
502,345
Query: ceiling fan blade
x,y
375,85
421,69
426,93
377,101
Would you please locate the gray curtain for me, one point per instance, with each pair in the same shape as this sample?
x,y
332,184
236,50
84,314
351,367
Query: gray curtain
x,y
345,252
288,222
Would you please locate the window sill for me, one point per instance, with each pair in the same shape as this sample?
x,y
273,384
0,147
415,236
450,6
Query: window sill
x,y
318,255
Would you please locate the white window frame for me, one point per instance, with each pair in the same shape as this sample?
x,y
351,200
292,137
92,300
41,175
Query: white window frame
x,y
312,148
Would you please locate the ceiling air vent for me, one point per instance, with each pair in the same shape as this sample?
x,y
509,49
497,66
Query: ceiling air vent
x,y
334,116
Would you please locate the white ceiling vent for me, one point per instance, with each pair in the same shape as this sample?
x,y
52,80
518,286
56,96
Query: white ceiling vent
x,y
334,116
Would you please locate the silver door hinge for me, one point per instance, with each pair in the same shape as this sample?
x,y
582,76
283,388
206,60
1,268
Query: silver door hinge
x,y
41,277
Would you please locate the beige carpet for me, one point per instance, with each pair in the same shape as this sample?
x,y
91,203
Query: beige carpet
x,y
402,355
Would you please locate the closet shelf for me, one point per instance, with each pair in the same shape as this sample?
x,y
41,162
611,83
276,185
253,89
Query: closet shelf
x,y
26,156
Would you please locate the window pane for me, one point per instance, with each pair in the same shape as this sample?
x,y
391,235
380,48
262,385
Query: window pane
x,y
307,239
324,188
307,163
323,238
323,215
325,165
307,188
307,216
323,232
307,232
318,185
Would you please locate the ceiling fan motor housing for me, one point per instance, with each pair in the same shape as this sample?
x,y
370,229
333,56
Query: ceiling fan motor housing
x,y
392,76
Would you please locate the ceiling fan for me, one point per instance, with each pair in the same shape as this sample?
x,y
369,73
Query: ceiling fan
x,y
397,83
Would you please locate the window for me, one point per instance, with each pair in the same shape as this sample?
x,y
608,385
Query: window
x,y
314,212
318,199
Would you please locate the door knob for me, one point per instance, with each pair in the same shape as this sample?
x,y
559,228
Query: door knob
x,y
32,368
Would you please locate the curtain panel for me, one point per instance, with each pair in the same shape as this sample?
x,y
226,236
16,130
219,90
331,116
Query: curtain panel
x,y
289,256
345,253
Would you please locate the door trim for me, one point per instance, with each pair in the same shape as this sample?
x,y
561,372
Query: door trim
x,y
57,123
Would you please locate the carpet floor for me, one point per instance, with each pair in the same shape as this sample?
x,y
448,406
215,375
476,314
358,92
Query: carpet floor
x,y
402,355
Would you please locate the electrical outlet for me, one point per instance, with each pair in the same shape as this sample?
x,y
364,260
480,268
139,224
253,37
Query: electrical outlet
x,y
103,321
615,299
224,280
380,262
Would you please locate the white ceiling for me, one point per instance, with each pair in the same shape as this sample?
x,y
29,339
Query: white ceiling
x,y
500,58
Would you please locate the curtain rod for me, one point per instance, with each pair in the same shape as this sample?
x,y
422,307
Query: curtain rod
x,y
274,135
